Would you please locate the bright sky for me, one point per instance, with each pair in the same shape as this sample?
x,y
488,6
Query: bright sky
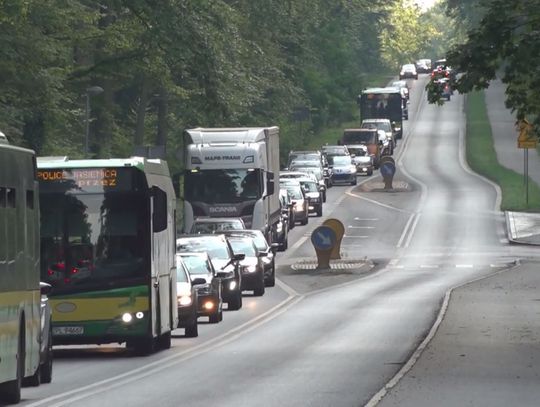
x,y
425,4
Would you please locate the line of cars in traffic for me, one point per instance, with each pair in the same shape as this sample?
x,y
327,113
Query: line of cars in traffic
x,y
215,264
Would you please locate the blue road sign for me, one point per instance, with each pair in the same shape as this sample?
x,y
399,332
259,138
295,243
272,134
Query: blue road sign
x,y
388,169
323,238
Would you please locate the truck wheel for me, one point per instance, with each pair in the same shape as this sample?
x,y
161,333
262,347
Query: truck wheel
x,y
305,221
319,211
216,317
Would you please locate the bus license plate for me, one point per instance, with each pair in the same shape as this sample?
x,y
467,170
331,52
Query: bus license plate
x,y
68,330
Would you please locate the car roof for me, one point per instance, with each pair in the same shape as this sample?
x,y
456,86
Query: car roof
x,y
375,120
214,220
193,254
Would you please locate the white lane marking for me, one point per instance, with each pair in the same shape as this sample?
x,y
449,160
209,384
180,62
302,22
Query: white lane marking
x,y
355,237
361,227
166,362
393,262
405,230
413,228
376,202
464,266
299,242
429,266
288,289
366,219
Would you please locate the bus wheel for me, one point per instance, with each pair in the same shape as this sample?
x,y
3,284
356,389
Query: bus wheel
x,y
10,392
164,341
143,346
34,380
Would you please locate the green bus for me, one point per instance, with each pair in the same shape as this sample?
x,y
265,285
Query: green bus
x,y
108,250
20,299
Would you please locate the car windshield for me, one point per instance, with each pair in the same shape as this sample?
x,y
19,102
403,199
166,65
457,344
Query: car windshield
x,y
294,191
310,186
341,160
244,246
215,247
197,264
211,227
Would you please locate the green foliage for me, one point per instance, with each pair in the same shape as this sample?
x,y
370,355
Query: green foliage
x,y
183,63
482,158
506,38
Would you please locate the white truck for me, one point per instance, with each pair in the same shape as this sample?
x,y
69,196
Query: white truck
x,y
233,172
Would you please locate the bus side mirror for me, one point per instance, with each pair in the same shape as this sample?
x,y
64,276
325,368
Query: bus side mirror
x,y
270,184
159,216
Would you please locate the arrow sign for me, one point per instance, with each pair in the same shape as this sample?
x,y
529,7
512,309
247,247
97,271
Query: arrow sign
x,y
323,238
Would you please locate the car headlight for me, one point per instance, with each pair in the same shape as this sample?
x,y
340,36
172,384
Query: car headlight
x,y
279,227
299,207
315,200
250,269
232,285
266,260
184,300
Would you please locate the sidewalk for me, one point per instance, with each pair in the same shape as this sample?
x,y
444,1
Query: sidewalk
x,y
486,351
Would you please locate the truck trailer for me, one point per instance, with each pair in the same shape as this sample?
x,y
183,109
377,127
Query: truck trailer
x,y
233,172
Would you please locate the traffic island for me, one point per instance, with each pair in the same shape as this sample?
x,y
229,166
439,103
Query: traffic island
x,y
305,276
523,227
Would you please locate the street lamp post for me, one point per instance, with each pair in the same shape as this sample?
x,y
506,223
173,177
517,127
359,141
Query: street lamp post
x,y
91,91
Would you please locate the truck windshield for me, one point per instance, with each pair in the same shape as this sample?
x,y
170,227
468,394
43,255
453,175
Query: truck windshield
x,y
93,240
223,186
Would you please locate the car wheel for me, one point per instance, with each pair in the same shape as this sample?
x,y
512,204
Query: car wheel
x,y
192,331
324,197
370,172
47,365
285,245
215,317
271,282
319,211
236,304
259,292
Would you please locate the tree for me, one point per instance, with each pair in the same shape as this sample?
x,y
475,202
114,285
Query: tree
x,y
506,41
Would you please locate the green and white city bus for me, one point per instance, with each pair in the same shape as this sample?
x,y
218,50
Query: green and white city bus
x,y
20,298
107,248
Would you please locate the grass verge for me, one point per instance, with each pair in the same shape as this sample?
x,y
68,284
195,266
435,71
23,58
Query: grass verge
x,y
482,159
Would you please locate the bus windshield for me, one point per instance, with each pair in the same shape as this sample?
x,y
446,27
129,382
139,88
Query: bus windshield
x,y
224,186
92,239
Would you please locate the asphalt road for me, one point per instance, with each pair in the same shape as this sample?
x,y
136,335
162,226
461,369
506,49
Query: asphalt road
x,y
325,339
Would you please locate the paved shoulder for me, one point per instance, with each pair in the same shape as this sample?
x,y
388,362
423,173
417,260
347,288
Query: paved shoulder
x,y
485,352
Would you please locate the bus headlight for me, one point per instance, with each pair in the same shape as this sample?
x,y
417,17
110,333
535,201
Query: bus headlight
x,y
139,315
127,317
184,300
232,285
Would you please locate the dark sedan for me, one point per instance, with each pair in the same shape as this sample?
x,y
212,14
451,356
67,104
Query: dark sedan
x,y
267,250
187,298
209,302
252,267
224,261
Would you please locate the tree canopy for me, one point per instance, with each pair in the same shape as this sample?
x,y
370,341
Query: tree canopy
x,y
179,63
503,40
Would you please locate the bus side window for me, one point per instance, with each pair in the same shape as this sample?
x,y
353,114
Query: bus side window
x,y
159,217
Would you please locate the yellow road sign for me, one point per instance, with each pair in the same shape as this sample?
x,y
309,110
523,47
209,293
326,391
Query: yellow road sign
x,y
528,143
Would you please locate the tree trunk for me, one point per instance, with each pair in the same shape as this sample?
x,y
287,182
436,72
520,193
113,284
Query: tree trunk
x,y
162,112
141,113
